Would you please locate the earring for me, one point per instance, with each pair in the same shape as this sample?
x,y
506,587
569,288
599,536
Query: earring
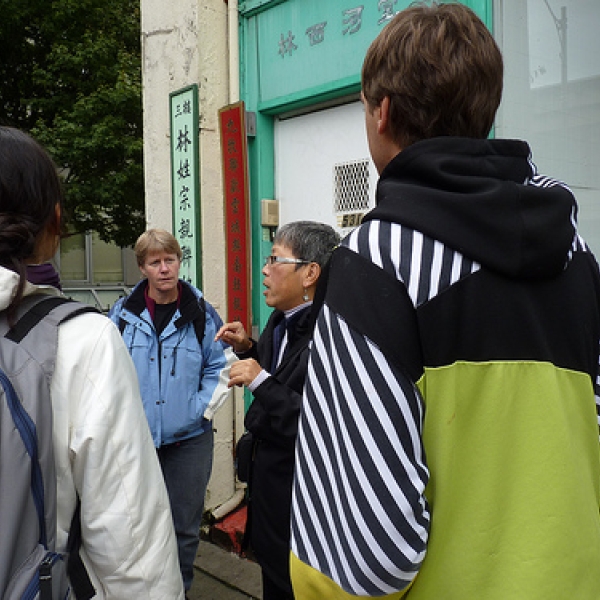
x,y
305,297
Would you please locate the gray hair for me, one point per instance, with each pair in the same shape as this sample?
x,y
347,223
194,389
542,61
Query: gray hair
x,y
308,240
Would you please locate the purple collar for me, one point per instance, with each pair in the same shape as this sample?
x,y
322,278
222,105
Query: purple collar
x,y
44,274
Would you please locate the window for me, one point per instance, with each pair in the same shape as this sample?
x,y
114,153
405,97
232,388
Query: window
x,y
552,93
351,192
95,272
85,258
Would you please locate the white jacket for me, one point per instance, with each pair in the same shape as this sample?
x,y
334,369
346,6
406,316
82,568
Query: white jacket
x,y
103,449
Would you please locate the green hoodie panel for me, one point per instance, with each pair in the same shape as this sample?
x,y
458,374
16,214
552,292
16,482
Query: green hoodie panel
x,y
530,486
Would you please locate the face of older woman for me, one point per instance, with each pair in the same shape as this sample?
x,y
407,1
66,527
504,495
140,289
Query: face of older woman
x,y
285,283
162,271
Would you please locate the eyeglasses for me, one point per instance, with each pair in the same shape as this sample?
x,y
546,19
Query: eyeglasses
x,y
284,260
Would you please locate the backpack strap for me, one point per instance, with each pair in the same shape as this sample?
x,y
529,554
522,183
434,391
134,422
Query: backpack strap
x,y
78,575
41,309
26,428
200,321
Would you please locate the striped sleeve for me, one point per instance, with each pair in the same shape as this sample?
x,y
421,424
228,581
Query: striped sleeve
x,y
359,514
360,467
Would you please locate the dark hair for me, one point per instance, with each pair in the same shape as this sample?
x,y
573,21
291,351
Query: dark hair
x,y
30,190
441,69
308,240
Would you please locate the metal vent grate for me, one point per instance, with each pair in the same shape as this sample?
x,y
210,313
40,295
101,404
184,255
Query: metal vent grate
x,y
351,185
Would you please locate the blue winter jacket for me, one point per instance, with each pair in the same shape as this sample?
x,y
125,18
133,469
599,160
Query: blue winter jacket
x,y
182,382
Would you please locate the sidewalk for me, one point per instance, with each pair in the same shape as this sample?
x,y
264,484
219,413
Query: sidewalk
x,y
223,575
220,572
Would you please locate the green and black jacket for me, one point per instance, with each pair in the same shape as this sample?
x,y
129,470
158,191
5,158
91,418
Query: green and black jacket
x,y
448,443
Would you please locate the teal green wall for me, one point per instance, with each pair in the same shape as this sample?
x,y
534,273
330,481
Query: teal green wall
x,y
281,71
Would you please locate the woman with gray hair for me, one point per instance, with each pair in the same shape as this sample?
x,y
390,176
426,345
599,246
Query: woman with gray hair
x,y
274,369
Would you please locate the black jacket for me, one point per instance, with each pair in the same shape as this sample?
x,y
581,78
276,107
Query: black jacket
x,y
273,420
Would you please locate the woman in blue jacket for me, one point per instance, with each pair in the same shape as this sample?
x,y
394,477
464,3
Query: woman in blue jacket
x,y
169,330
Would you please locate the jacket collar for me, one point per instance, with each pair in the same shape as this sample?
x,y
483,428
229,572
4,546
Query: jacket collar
x,y
189,307
298,328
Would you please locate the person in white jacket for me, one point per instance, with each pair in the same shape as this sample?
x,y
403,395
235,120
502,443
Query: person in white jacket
x,y
102,445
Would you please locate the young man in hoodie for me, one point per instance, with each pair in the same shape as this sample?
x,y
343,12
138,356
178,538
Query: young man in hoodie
x,y
448,441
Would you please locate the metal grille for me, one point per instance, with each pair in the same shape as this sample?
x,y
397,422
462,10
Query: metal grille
x,y
351,185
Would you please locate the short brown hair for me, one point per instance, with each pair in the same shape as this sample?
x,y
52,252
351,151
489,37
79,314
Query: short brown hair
x,y
441,69
156,240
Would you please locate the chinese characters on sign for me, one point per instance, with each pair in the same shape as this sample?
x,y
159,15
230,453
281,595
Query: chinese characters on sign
x,y
184,179
234,155
287,46
351,22
316,33
387,8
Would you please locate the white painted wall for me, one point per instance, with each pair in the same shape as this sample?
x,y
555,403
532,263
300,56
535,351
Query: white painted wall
x,y
183,43
306,149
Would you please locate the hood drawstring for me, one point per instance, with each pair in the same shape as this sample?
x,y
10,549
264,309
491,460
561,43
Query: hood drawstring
x,y
181,336
132,339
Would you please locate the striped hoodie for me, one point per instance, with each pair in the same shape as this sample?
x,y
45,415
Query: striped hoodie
x,y
448,441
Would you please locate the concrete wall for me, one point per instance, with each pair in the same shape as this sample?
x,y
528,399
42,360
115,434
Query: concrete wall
x,y
184,43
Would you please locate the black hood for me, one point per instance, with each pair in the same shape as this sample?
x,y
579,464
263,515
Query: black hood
x,y
474,196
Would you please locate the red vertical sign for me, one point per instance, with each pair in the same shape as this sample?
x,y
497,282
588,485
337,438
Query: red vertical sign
x,y
234,154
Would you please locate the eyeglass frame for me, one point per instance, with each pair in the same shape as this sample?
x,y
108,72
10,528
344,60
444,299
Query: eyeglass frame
x,y
284,260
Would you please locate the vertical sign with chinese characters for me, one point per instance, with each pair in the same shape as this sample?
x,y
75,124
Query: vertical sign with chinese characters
x,y
234,154
185,187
